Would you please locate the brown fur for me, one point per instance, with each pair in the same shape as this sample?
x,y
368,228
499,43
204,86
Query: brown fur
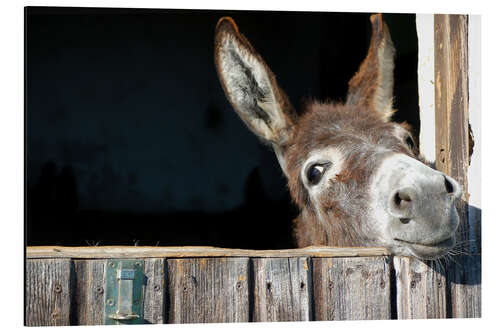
x,y
359,129
359,133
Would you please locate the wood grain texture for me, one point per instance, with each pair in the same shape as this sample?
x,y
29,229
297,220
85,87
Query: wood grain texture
x,y
465,287
283,289
208,290
452,113
453,149
48,292
97,252
89,292
155,290
421,289
351,288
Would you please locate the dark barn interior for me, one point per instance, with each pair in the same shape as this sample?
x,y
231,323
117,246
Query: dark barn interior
x,y
131,141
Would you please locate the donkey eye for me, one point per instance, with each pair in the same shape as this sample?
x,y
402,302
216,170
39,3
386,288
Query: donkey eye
x,y
315,173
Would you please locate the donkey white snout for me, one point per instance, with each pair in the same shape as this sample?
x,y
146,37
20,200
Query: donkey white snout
x,y
415,192
415,207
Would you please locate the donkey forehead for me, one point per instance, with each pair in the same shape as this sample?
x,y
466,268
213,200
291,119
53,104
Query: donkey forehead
x,y
321,130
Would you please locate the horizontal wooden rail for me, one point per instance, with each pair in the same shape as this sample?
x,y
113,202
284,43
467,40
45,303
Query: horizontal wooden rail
x,y
66,285
33,252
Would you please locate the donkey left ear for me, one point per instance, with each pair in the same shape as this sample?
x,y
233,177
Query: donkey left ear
x,y
250,85
372,86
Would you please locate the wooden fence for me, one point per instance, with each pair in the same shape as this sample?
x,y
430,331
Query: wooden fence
x,y
67,286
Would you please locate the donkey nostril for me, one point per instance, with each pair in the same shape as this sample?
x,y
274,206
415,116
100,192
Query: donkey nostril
x,y
448,185
401,196
397,199
404,220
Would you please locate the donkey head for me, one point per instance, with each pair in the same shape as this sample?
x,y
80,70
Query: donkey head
x,y
356,176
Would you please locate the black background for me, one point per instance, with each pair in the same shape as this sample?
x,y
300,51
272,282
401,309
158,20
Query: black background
x,y
130,139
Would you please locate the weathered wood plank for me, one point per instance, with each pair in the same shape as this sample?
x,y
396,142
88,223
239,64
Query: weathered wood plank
x,y
465,286
96,252
90,284
208,290
283,289
452,113
155,290
351,288
89,292
453,149
48,292
420,288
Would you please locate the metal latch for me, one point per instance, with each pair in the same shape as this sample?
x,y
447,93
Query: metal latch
x,y
124,292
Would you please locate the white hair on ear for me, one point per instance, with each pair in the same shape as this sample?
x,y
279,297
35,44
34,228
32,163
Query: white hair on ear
x,y
250,89
383,95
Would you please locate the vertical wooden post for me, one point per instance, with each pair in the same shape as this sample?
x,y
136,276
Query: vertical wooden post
x,y
420,289
452,107
155,291
48,292
351,288
283,289
453,148
89,292
208,290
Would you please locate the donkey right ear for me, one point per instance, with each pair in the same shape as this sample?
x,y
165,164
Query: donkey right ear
x,y
250,86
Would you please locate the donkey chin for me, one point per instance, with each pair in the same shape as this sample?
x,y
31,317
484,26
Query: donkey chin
x,y
414,208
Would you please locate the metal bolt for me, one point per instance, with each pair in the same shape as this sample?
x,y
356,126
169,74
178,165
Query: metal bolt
x,y
110,302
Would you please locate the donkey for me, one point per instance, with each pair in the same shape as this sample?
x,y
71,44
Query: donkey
x,y
357,178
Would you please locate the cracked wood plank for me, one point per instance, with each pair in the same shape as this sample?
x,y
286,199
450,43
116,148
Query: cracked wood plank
x,y
283,289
